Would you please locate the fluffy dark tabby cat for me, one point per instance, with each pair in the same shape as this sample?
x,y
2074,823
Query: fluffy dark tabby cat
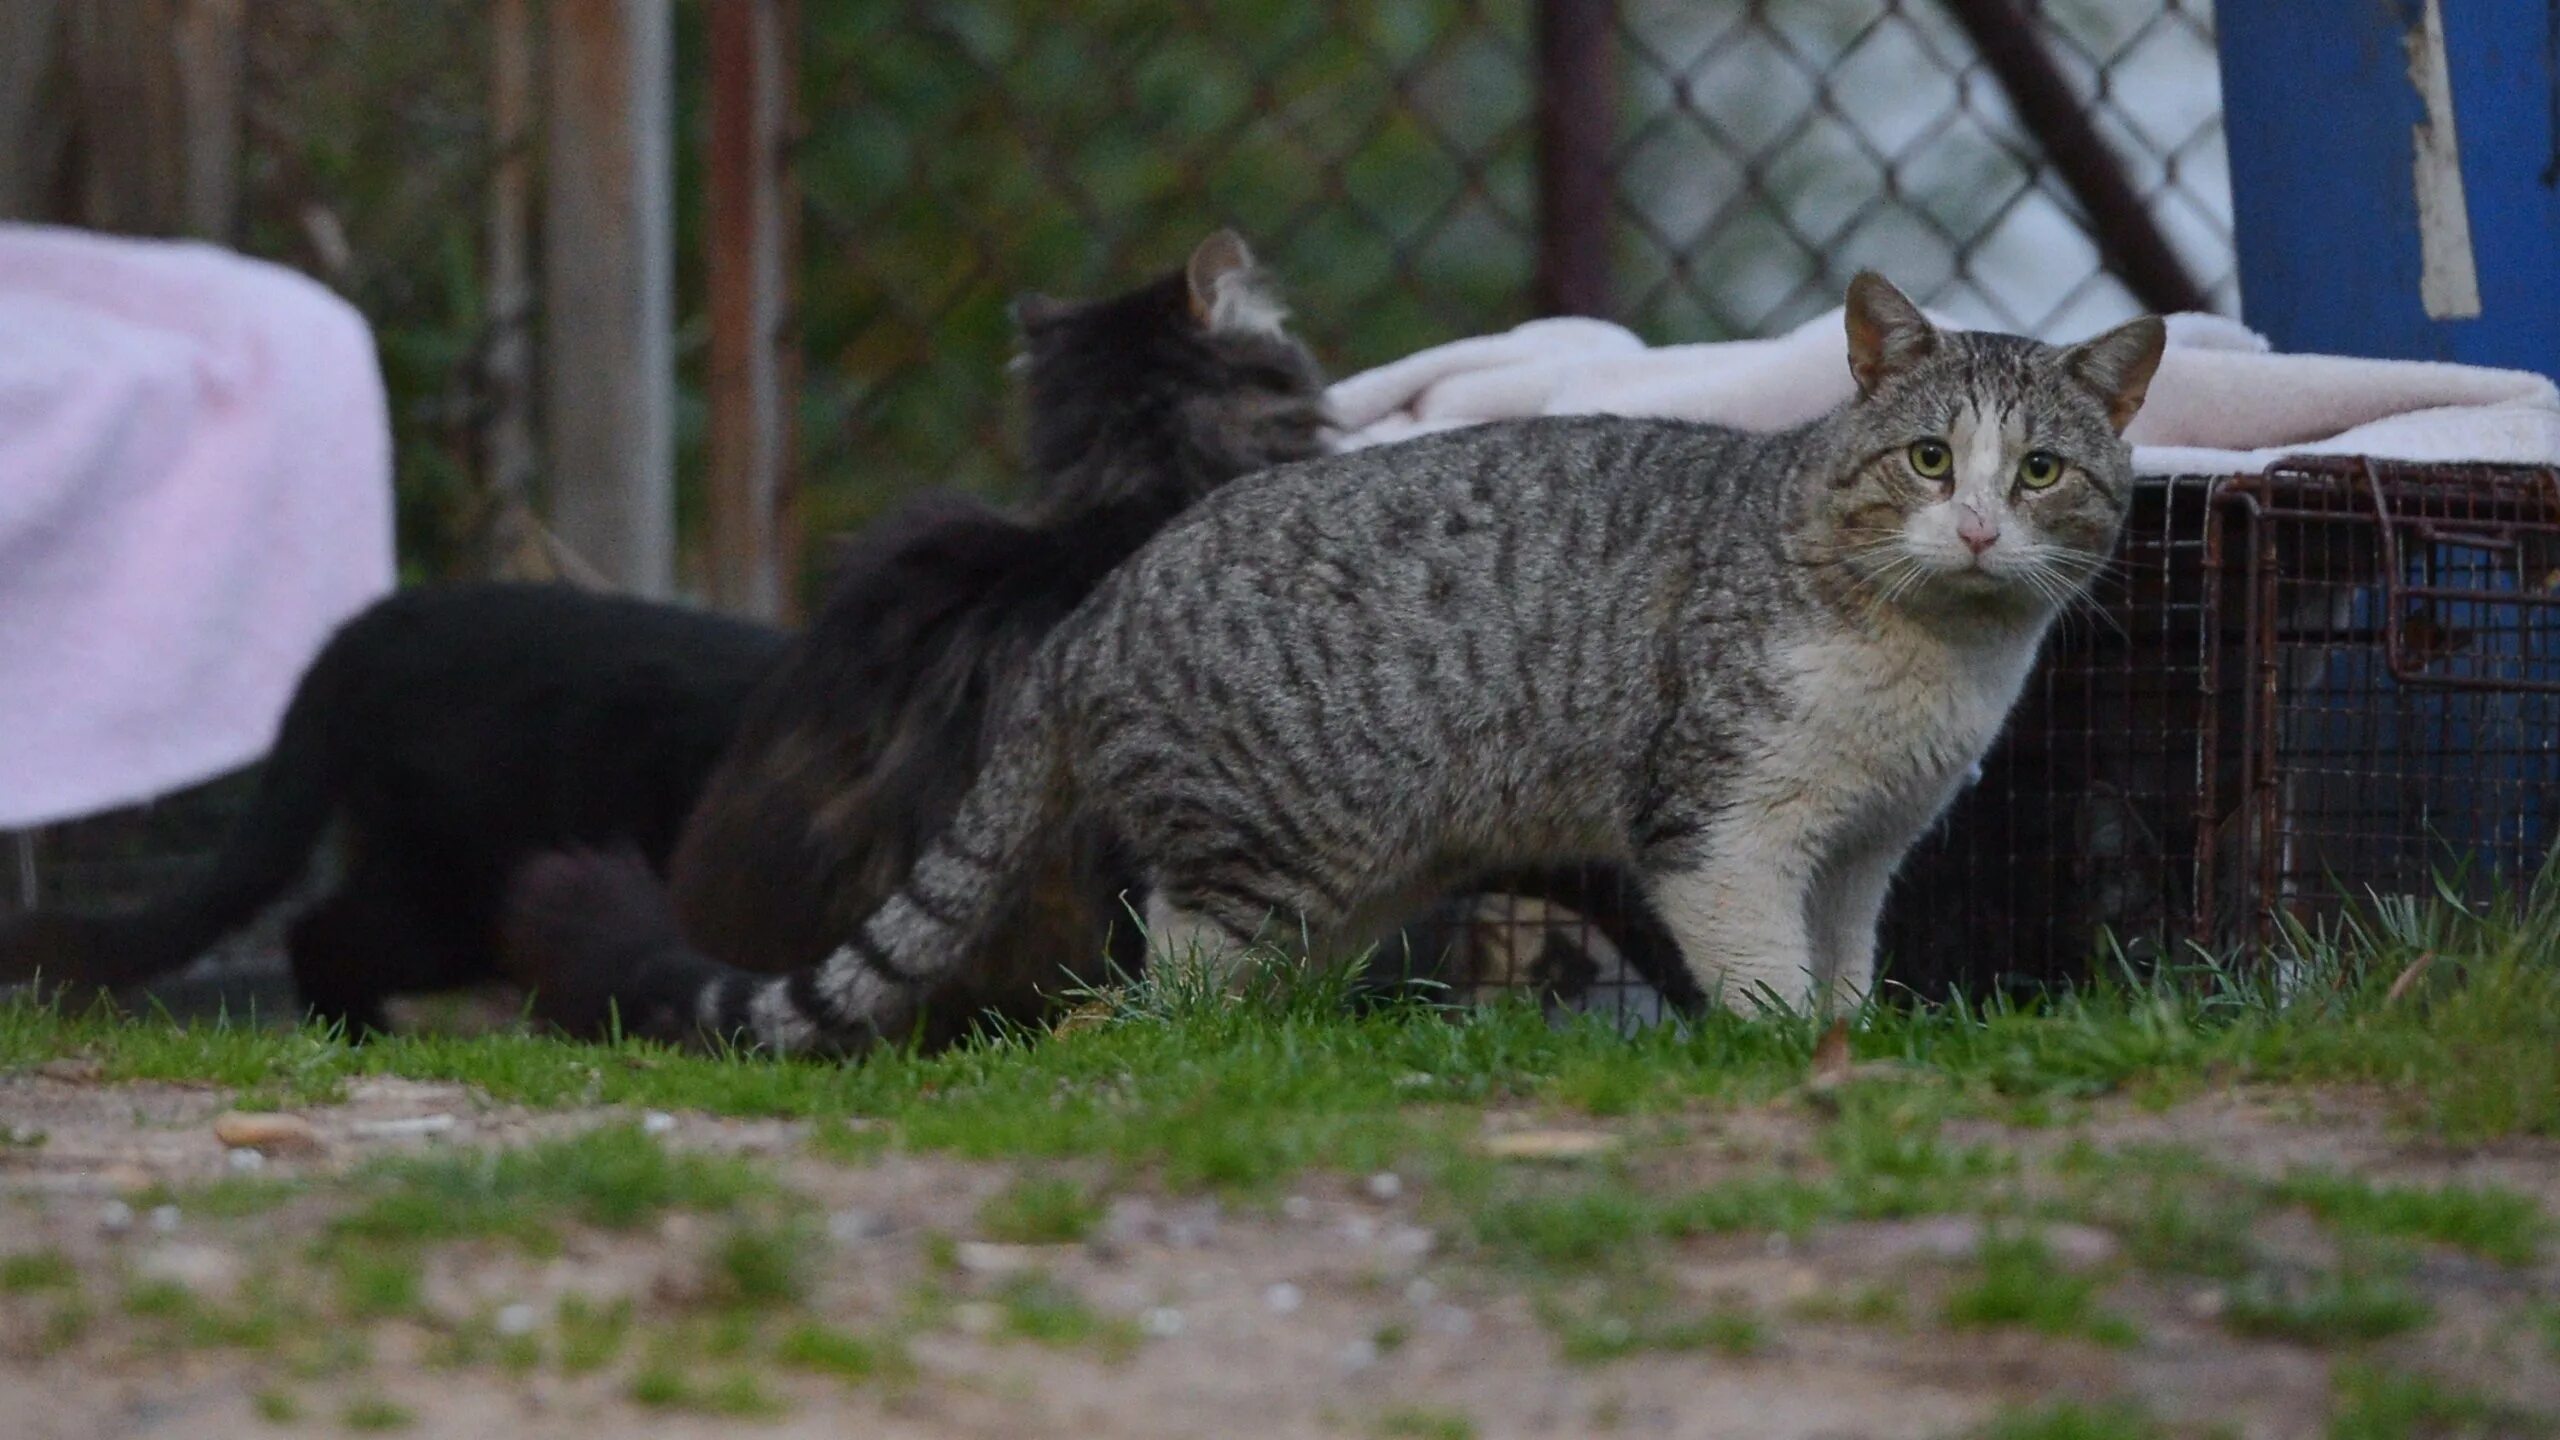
x,y
439,738
1752,668
857,752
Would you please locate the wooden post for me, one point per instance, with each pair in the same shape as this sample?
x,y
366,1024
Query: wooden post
x,y
155,107
754,543
212,71
608,284
31,102
509,456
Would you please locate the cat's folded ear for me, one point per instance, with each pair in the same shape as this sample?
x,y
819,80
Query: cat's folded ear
x,y
1229,293
2118,366
1887,333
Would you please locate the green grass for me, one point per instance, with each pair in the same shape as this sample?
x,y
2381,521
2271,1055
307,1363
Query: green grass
x,y
2373,1404
374,1283
263,1316
1626,1315
2347,1305
591,1335
374,1412
2174,1210
663,1383
1416,1424
1040,1210
37,1270
1039,1309
846,1356
763,1265
276,1405
614,1177
1203,1092
2021,1284
2494,1224
2069,1421
234,1197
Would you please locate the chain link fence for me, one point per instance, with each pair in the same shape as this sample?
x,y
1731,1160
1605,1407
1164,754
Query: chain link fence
x,y
1417,170
1740,162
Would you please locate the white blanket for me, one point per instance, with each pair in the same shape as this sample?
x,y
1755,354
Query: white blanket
x,y
195,489
2222,403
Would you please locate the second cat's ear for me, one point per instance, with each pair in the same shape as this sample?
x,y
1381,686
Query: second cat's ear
x,y
1887,333
1228,292
2119,365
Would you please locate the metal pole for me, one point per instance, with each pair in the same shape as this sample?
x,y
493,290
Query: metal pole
x,y
1577,116
2119,219
511,455
753,549
608,286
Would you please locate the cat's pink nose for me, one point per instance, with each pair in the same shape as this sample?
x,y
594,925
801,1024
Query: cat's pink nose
x,y
1978,531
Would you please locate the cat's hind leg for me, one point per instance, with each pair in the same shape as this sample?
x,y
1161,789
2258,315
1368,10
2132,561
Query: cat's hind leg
x,y
364,942
1182,933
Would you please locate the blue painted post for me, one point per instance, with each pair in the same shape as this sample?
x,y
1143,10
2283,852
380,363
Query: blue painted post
x,y
2395,175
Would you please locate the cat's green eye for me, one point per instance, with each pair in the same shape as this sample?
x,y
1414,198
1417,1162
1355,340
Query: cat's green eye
x,y
1932,458
2040,469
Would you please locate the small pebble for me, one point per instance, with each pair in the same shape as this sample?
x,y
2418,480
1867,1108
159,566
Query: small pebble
x,y
1413,1080
1163,1322
1283,1298
276,1134
984,1257
516,1319
852,1227
1298,1207
164,1219
1385,1185
1449,1320
1192,1225
407,1127
115,1217
247,1162
1408,1242
657,1122
1359,1229
196,1267
1358,1355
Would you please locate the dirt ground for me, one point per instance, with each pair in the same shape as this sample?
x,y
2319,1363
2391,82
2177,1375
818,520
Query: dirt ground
x,y
1340,1308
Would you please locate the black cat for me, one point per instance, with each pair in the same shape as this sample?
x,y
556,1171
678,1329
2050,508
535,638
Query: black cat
x,y
855,753
440,737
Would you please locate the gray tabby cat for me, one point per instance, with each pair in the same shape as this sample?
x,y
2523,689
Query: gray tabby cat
x,y
1751,668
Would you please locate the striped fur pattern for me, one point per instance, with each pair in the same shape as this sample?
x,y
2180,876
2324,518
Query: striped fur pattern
x,y
1749,668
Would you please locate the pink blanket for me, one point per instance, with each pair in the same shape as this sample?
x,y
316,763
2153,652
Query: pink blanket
x,y
195,488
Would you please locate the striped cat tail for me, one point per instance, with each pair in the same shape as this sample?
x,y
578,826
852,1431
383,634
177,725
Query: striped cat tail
x,y
596,939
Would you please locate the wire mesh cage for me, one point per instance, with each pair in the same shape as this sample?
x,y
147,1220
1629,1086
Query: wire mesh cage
x,y
2297,691
2294,692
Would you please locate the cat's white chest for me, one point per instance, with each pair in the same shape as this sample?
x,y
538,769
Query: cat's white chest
x,y
1884,733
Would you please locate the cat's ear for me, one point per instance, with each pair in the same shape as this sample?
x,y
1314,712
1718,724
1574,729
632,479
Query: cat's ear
x,y
1887,333
2118,366
1228,292
1031,310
